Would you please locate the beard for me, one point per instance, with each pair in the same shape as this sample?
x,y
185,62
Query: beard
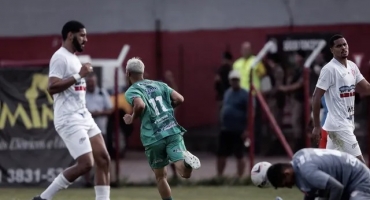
x,y
77,45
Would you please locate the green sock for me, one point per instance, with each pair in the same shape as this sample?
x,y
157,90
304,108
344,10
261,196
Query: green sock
x,y
187,166
169,198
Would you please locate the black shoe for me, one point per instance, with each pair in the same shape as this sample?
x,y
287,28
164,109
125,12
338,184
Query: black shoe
x,y
38,198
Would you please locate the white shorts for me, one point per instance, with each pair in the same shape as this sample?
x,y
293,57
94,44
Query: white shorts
x,y
76,132
344,141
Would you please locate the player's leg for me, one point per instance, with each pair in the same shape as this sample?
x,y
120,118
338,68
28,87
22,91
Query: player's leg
x,y
158,160
346,141
102,161
323,140
238,150
78,145
351,145
185,162
224,150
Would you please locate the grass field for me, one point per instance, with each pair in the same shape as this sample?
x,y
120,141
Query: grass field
x,y
150,193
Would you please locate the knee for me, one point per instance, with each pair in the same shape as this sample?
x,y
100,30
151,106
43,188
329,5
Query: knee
x,y
186,175
103,160
161,176
86,165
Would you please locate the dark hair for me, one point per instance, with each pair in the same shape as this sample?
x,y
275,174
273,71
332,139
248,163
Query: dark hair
x,y
227,55
333,38
71,26
275,173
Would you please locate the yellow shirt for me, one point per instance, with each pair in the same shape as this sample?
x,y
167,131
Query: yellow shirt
x,y
122,103
243,66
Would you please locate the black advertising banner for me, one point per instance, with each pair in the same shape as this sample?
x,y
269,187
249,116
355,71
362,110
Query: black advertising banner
x,y
31,152
306,42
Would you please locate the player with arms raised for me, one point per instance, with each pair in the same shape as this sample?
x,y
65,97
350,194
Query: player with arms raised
x,y
161,135
72,120
338,80
326,173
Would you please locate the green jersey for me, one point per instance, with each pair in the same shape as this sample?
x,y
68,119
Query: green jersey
x,y
157,120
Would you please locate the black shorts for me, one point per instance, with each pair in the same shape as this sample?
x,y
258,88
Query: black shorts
x,y
231,142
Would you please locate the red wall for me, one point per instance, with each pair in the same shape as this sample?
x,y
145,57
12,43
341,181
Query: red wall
x,y
202,55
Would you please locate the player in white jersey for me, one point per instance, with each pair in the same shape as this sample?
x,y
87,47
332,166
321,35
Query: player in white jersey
x,y
72,120
338,80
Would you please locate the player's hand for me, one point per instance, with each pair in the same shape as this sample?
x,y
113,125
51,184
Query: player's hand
x,y
85,69
128,119
316,134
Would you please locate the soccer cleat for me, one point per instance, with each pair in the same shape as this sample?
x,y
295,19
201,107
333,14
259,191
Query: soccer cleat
x,y
38,198
191,160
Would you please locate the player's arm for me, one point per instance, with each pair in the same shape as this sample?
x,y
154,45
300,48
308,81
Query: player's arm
x,y
56,73
57,70
134,98
362,85
176,98
316,106
139,107
320,180
324,83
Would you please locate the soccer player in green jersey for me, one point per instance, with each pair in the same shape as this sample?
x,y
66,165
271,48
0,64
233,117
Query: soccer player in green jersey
x,y
153,102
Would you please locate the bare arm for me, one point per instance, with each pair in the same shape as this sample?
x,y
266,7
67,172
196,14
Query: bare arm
x,y
316,104
176,98
57,70
57,85
139,107
363,86
295,85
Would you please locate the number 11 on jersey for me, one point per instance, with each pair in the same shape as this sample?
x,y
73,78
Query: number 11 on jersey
x,y
154,104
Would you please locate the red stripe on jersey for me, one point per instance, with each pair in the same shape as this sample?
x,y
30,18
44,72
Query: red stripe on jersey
x,y
80,88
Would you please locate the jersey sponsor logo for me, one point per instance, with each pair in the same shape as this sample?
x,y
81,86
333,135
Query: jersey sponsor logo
x,y
347,91
168,126
149,89
161,119
80,86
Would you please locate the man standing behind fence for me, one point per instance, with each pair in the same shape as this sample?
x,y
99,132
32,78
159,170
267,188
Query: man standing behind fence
x,y
233,118
243,65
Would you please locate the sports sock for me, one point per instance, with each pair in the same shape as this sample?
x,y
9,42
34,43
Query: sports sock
x,y
102,192
59,183
169,198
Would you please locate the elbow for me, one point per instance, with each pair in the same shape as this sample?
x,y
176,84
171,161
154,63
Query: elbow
x,y
140,107
181,99
51,90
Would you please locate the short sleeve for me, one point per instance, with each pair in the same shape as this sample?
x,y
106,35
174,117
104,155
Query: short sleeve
x,y
167,88
131,94
316,178
359,76
57,68
261,70
325,79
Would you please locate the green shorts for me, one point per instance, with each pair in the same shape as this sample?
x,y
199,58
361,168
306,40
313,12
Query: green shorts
x,y
160,153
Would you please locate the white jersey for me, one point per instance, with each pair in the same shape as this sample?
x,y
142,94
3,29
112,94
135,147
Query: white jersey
x,y
339,82
64,64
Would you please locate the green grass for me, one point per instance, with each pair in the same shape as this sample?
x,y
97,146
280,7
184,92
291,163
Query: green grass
x,y
150,193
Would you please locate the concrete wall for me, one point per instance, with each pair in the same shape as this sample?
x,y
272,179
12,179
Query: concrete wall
x,y
43,17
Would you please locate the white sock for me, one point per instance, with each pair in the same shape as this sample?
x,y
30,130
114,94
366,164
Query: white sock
x,y
59,183
102,192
